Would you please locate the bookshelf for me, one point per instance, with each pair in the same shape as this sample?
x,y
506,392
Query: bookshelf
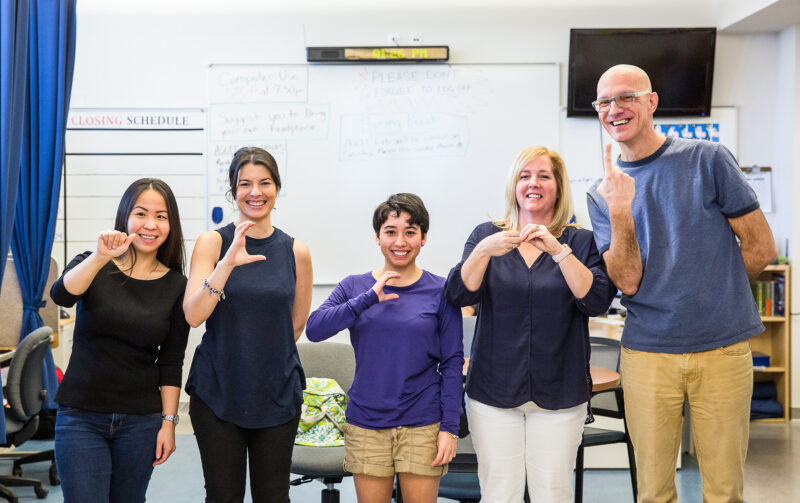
x,y
774,341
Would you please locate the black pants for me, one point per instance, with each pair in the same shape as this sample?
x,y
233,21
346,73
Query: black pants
x,y
224,449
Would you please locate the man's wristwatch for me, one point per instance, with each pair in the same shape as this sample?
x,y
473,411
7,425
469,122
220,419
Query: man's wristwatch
x,y
171,417
451,434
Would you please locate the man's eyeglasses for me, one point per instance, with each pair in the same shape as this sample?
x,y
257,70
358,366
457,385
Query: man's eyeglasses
x,y
623,100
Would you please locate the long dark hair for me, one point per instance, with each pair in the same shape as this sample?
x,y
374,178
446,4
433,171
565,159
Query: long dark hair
x,y
254,155
170,253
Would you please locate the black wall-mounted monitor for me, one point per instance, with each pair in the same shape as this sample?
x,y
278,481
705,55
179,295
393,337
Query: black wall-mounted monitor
x,y
679,61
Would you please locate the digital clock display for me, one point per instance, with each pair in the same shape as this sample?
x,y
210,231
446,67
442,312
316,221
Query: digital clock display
x,y
407,54
397,53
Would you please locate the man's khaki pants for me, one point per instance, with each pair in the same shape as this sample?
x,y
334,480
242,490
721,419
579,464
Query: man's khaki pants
x,y
719,385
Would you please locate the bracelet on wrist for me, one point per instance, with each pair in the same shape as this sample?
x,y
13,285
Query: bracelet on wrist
x,y
212,290
451,434
565,251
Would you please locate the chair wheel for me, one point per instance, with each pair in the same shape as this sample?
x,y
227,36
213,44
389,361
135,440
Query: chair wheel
x,y
41,492
16,471
54,478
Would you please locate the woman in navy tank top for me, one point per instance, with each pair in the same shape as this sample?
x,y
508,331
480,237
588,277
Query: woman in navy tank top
x,y
251,284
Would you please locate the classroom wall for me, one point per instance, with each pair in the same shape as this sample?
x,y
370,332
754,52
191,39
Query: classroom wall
x,y
787,147
161,60
128,59
150,62
749,74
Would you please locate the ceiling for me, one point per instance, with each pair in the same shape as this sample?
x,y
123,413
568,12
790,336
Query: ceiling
x,y
727,15
776,16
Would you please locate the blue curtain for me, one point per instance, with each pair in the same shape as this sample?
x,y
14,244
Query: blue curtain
x,y
51,62
13,72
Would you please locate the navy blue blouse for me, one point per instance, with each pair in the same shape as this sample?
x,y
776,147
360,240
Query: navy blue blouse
x,y
532,336
246,369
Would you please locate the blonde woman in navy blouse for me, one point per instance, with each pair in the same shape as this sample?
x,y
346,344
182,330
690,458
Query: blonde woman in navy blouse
x,y
537,280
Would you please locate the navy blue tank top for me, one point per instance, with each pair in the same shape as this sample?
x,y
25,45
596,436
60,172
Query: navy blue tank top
x,y
246,369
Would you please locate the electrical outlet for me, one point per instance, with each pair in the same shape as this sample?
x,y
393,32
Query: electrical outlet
x,y
416,39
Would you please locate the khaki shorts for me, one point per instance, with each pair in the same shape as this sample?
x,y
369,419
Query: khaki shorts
x,y
382,453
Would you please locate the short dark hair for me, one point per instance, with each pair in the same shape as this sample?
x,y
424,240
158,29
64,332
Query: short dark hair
x,y
402,203
170,253
254,155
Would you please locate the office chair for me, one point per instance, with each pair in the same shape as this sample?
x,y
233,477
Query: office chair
x,y
609,403
25,394
11,309
334,361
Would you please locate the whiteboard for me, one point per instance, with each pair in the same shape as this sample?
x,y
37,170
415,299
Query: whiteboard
x,y
347,136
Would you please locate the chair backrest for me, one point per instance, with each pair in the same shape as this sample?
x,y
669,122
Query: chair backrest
x,y
11,305
24,389
333,360
605,353
469,333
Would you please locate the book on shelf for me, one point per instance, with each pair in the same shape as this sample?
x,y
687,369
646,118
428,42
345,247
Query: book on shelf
x,y
770,296
780,294
760,359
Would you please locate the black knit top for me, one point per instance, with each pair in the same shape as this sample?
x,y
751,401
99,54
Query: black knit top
x,y
130,338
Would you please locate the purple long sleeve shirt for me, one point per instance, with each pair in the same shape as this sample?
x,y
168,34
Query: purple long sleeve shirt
x,y
409,352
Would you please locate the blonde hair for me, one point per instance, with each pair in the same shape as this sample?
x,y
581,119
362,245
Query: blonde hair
x,y
563,210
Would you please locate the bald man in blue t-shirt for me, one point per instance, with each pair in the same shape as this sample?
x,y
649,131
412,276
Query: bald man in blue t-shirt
x,y
666,222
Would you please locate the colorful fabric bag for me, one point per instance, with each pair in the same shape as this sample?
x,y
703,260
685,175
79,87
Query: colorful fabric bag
x,y
323,414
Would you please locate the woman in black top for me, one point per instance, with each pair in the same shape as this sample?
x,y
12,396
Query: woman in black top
x,y
118,401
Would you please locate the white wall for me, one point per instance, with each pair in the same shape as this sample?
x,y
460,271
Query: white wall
x,y
126,59
750,76
161,61
787,151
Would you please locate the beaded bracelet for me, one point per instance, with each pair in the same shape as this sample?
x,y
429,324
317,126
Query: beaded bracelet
x,y
211,290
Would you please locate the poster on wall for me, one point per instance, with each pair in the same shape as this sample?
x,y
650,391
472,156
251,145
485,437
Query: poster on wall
x,y
708,132
760,179
108,148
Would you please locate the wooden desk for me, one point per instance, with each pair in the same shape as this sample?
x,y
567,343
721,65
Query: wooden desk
x,y
602,379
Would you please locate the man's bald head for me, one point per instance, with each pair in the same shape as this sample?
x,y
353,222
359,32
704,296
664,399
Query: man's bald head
x,y
630,121
633,74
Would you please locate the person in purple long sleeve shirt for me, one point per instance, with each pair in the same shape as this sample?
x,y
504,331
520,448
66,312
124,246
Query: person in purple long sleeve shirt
x,y
405,401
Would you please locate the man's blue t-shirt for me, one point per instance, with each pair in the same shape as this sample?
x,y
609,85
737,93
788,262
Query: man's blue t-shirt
x,y
694,294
